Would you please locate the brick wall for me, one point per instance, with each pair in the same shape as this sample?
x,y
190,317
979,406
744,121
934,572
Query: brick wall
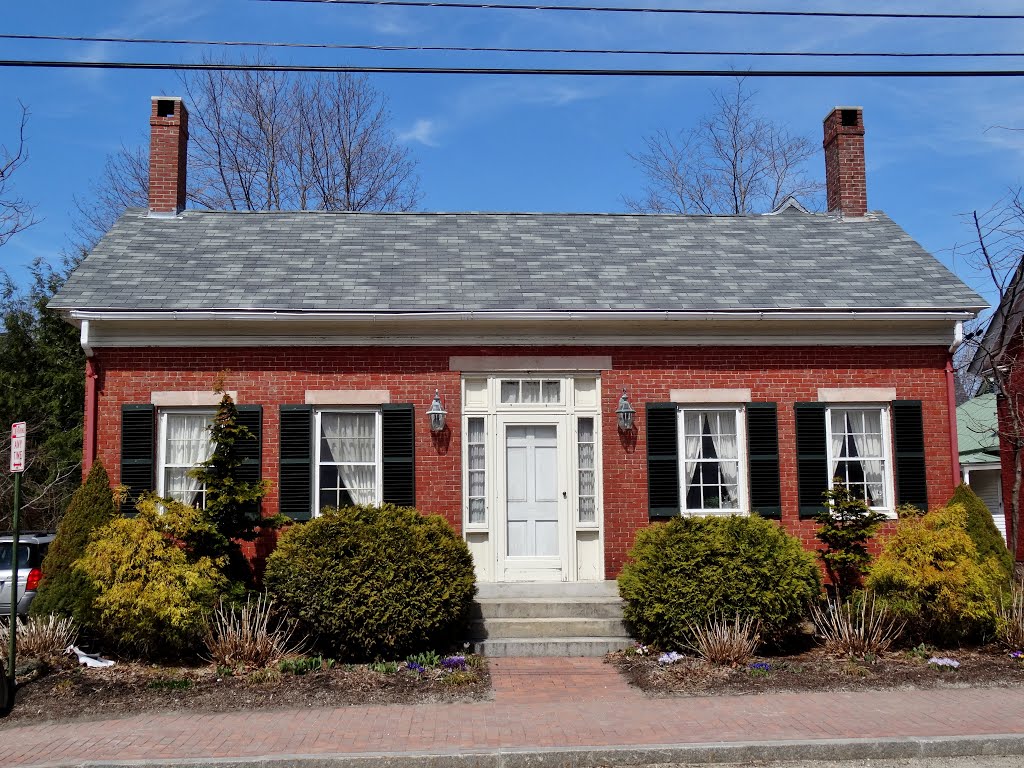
x,y
1006,428
785,375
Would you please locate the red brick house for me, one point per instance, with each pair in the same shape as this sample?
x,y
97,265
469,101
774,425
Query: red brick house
x,y
760,355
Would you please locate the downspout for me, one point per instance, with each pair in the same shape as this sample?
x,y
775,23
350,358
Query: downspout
x,y
89,425
954,442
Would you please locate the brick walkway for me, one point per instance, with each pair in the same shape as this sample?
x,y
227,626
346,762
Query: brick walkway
x,y
537,703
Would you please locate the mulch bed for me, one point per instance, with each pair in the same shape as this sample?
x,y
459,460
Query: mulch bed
x,y
70,692
814,670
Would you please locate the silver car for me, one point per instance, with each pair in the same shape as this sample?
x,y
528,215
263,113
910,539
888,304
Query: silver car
x,y
32,546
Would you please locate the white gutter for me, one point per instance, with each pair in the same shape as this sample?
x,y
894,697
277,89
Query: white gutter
x,y
84,339
286,316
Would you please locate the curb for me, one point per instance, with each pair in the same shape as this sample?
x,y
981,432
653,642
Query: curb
x,y
996,745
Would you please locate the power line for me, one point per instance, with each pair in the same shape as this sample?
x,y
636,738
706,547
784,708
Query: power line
x,y
485,49
217,67
689,11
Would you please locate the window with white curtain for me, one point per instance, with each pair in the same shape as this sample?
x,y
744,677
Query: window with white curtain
x,y
858,452
476,470
585,469
348,458
712,460
530,392
184,443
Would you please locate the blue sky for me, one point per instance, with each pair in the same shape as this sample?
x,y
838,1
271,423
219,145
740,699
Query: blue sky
x,y
936,149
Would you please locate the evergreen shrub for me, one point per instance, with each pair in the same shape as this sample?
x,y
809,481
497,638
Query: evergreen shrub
x,y
682,573
374,582
982,528
153,592
930,575
64,590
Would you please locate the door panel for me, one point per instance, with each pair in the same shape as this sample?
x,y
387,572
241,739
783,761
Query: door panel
x,y
532,491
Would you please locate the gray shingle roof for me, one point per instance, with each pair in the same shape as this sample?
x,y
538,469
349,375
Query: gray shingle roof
x,y
321,261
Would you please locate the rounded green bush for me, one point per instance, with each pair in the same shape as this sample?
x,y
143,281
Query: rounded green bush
x,y
982,528
685,571
375,582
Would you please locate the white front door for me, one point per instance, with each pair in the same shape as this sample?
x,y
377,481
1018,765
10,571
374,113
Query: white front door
x,y
535,507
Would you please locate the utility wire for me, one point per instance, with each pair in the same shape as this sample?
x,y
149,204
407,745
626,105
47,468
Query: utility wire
x,y
479,49
216,67
690,11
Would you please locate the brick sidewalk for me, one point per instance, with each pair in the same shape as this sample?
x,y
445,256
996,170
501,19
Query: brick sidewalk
x,y
537,703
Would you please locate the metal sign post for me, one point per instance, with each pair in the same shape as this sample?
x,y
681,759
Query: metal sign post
x,y
17,468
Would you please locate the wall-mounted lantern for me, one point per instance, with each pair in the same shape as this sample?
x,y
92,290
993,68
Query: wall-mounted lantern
x,y
437,413
625,413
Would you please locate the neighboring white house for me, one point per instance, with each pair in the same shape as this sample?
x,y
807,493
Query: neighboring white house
x,y
979,453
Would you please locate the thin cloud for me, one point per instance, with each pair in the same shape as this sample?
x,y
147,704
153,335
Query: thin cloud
x,y
423,131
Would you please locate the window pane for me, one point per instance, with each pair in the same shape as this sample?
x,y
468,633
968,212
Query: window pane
x,y
711,453
476,471
552,391
585,430
531,391
476,456
348,437
178,485
587,482
476,430
510,391
588,510
477,513
187,439
476,484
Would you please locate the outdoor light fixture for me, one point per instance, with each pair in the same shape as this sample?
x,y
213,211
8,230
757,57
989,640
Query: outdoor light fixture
x,y
625,413
437,413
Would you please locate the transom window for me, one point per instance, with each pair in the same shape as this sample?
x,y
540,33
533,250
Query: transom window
x,y
184,444
712,447
859,452
529,391
348,458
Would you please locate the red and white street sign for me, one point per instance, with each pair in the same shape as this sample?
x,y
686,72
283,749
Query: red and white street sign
x,y
18,447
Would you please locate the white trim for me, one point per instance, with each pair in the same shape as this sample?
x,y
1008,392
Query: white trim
x,y
511,363
939,339
857,395
347,396
709,396
804,313
189,399
316,451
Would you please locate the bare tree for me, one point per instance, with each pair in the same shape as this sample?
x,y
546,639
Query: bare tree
x,y
262,141
733,161
15,212
996,350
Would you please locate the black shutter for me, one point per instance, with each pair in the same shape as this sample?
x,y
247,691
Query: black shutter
x,y
250,449
295,484
138,444
811,457
662,459
908,433
763,453
398,453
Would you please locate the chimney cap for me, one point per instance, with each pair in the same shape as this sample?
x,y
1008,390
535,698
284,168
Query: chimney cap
x,y
840,109
165,98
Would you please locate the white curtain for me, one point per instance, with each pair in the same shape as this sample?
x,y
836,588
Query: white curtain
x,y
477,471
187,443
587,487
692,430
838,441
348,438
860,434
724,439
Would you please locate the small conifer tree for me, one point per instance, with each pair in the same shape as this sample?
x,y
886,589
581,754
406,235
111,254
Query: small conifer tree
x,y
232,504
982,528
845,526
64,589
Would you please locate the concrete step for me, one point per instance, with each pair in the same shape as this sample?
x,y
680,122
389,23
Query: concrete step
x,y
551,646
562,589
547,608
539,629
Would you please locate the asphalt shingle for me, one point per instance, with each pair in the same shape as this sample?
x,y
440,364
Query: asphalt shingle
x,y
325,261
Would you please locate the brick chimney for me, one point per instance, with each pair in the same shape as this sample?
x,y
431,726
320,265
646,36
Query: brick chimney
x,y
845,179
168,151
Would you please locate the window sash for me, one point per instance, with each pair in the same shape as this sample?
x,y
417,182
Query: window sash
x,y
349,456
586,470
476,471
858,438
705,479
173,480
531,392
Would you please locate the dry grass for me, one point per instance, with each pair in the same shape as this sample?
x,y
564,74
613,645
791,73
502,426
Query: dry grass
x,y
249,635
1010,625
721,641
42,637
854,631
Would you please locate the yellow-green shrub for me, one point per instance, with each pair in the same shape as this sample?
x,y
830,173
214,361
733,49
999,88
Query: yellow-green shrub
x,y
929,574
152,591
